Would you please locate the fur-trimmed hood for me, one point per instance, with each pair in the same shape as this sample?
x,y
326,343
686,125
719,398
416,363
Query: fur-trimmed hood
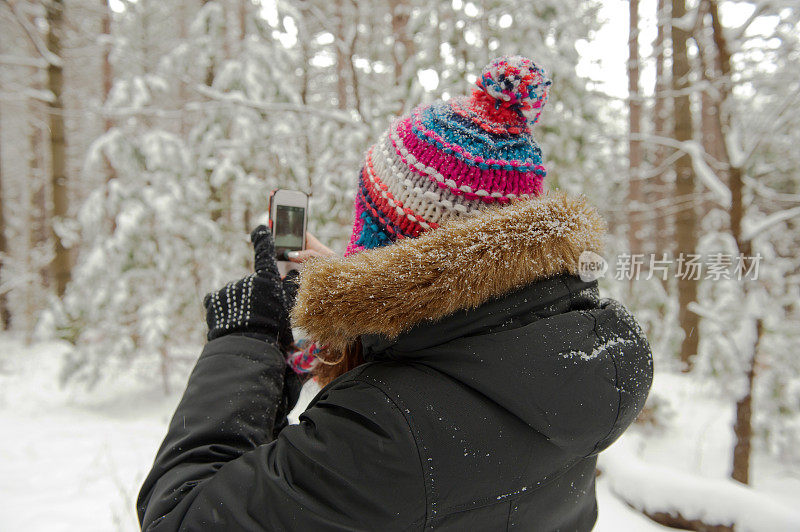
x,y
459,266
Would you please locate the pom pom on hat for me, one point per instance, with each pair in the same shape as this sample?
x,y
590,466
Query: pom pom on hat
x,y
514,83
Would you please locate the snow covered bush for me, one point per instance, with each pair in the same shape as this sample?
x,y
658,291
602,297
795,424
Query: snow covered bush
x,y
135,294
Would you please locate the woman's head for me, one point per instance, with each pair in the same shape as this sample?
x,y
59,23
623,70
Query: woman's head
x,y
445,160
453,158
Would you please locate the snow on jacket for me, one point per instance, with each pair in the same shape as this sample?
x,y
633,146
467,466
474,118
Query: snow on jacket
x,y
493,378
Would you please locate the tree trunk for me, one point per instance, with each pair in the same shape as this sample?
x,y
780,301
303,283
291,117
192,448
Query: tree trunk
x,y
165,370
723,62
485,27
108,123
711,134
41,234
305,85
244,16
635,210
211,69
403,48
107,72
402,43
710,126
37,233
351,59
341,58
685,220
5,313
183,16
61,265
743,427
661,186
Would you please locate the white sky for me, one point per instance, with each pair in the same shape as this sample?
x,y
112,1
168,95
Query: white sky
x,y
604,58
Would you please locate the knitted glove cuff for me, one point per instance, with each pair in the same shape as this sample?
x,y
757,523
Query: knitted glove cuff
x,y
254,303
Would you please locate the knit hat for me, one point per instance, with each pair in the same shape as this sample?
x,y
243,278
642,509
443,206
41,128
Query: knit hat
x,y
451,158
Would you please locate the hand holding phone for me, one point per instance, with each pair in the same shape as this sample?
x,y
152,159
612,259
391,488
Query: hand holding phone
x,y
288,218
314,248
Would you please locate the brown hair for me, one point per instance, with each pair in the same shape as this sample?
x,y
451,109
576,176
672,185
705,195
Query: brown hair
x,y
333,362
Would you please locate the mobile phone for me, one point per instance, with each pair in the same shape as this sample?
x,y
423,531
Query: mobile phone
x,y
288,218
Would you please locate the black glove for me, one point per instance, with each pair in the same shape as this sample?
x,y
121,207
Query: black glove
x,y
255,304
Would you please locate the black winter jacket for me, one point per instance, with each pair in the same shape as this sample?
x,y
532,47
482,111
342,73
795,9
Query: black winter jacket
x,y
487,418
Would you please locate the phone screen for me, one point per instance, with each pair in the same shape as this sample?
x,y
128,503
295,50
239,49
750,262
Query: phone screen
x,y
288,226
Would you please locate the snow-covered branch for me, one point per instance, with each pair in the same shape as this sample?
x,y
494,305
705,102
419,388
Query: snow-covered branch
x,y
22,61
769,124
706,174
33,35
687,22
701,168
28,93
753,230
767,192
761,9
272,107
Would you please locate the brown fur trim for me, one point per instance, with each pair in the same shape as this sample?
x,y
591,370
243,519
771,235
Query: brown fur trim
x,y
459,266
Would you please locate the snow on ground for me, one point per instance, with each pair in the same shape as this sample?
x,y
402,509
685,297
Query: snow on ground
x,y
72,463
613,515
699,439
685,469
663,488
68,463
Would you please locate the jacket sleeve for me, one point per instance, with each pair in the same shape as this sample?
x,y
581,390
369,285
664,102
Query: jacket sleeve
x,y
351,463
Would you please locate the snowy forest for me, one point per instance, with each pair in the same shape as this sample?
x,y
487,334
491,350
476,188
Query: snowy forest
x,y
140,140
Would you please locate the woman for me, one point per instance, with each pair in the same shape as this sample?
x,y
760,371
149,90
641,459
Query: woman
x,y
471,378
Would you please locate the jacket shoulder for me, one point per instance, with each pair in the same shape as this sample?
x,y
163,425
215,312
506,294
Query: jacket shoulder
x,y
619,334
